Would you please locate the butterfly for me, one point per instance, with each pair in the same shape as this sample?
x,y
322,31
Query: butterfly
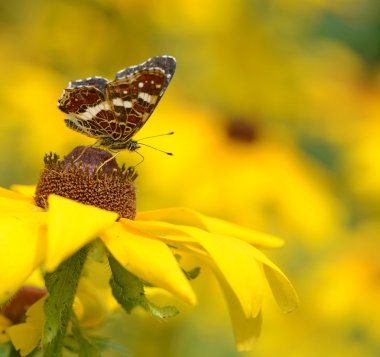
x,y
112,112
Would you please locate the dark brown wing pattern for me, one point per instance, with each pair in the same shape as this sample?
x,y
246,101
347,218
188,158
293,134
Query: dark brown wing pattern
x,y
88,111
134,98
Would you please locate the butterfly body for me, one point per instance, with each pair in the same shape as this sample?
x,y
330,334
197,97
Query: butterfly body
x,y
113,111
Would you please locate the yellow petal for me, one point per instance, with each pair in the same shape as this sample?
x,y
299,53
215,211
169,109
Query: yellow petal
x,y
246,330
4,324
18,206
282,289
36,279
26,336
149,259
71,225
25,190
187,217
94,308
175,215
15,195
256,238
22,249
236,264
97,272
164,230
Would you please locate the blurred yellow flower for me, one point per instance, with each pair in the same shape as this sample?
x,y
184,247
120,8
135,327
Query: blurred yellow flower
x,y
147,247
26,335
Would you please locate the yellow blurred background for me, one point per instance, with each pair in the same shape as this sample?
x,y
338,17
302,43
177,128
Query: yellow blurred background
x,y
275,106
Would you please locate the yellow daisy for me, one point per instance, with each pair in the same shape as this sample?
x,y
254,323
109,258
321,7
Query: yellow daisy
x,y
50,226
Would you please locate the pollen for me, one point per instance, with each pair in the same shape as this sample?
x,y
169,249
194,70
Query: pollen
x,y
76,177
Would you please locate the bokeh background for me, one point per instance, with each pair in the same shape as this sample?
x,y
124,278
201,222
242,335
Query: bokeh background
x,y
275,107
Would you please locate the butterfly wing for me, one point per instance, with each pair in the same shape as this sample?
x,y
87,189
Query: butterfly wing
x,y
136,91
88,111
112,112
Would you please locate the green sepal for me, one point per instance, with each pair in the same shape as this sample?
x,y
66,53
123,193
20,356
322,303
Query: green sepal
x,y
7,350
162,312
98,251
190,274
128,291
62,286
193,273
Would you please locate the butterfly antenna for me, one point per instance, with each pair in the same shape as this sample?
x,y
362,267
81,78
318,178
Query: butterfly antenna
x,y
152,147
155,136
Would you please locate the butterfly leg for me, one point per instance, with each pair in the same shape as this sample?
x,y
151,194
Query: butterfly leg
x,y
81,154
94,145
141,161
115,153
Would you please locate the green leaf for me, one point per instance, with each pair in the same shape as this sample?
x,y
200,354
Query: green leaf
x,y
98,251
162,312
62,286
193,273
128,291
7,350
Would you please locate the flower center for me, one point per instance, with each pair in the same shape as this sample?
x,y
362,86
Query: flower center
x,y
77,177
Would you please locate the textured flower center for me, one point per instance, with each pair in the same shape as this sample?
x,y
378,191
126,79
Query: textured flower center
x,y
110,188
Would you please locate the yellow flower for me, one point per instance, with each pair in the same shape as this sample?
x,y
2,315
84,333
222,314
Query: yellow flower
x,y
25,336
147,247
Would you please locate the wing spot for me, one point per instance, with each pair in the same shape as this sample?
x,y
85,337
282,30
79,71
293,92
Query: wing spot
x,y
93,111
118,102
145,97
141,84
87,115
